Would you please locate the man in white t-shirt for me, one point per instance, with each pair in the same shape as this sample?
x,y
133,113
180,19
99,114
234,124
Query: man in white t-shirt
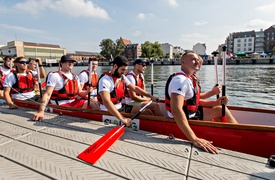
x,y
4,70
111,88
179,89
62,88
19,84
135,101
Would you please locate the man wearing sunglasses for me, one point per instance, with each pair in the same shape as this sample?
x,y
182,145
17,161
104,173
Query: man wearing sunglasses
x,y
135,101
19,83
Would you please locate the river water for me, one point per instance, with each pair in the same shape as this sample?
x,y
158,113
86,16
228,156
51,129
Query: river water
x,y
246,85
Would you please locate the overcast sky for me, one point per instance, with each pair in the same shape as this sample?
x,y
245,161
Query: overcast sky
x,y
80,25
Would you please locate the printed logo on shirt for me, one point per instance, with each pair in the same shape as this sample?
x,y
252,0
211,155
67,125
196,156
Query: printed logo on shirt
x,y
179,89
104,87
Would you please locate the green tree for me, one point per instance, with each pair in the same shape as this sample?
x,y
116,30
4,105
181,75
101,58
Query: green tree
x,y
107,48
149,50
119,48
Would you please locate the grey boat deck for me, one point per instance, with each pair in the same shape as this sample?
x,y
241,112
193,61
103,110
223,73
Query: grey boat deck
x,y
49,149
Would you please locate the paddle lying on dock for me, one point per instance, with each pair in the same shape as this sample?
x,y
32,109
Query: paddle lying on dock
x,y
97,149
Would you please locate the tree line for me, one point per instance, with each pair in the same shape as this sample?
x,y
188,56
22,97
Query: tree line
x,y
110,49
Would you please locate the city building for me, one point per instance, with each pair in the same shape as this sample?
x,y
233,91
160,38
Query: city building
x,y
243,42
132,51
32,50
259,41
178,51
167,50
269,34
200,48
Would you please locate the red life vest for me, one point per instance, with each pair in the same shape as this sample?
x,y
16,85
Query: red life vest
x,y
190,106
138,82
69,91
23,84
94,80
118,91
2,79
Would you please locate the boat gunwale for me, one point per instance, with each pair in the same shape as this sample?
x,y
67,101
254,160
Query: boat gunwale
x,y
254,127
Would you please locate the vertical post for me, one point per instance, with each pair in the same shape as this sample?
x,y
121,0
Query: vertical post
x,y
152,77
223,81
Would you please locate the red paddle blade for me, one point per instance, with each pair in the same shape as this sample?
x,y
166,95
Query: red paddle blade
x,y
98,148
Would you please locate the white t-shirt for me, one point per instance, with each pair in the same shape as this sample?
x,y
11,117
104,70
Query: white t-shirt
x,y
84,78
132,79
5,71
106,83
10,81
56,81
181,85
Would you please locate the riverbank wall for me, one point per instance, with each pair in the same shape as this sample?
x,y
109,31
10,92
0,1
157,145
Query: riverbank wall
x,y
177,62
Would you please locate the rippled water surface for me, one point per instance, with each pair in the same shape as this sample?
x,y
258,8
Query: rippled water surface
x,y
246,85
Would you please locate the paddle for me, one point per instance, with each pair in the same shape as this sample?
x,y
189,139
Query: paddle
x,y
152,77
98,148
90,80
216,68
38,76
223,81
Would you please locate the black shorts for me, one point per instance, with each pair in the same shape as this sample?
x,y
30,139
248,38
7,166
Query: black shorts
x,y
199,114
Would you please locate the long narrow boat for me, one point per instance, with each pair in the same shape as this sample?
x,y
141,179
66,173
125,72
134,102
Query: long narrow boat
x,y
254,135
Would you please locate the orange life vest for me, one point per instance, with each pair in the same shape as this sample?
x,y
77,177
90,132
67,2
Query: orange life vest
x,y
23,84
118,91
69,91
94,80
139,82
190,106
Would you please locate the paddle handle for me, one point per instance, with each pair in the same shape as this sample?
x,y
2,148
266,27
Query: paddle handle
x,y
152,77
90,80
223,82
38,77
137,113
217,94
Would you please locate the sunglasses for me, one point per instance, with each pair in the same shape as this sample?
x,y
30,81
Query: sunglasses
x,y
24,62
142,64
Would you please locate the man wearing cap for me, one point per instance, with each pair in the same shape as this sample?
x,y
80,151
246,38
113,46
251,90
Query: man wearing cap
x,y
135,101
111,88
62,88
19,83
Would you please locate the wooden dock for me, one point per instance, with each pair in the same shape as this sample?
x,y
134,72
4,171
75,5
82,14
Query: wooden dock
x,y
49,149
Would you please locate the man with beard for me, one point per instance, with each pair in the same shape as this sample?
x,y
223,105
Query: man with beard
x,y
111,88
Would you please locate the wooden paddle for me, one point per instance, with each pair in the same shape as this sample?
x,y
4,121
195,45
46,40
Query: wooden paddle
x,y
38,76
215,53
98,148
223,81
90,80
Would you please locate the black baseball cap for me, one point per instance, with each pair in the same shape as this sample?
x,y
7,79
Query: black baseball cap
x,y
66,58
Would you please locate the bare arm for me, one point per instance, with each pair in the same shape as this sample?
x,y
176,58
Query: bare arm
x,y
135,97
214,91
8,99
44,102
140,91
180,118
112,109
